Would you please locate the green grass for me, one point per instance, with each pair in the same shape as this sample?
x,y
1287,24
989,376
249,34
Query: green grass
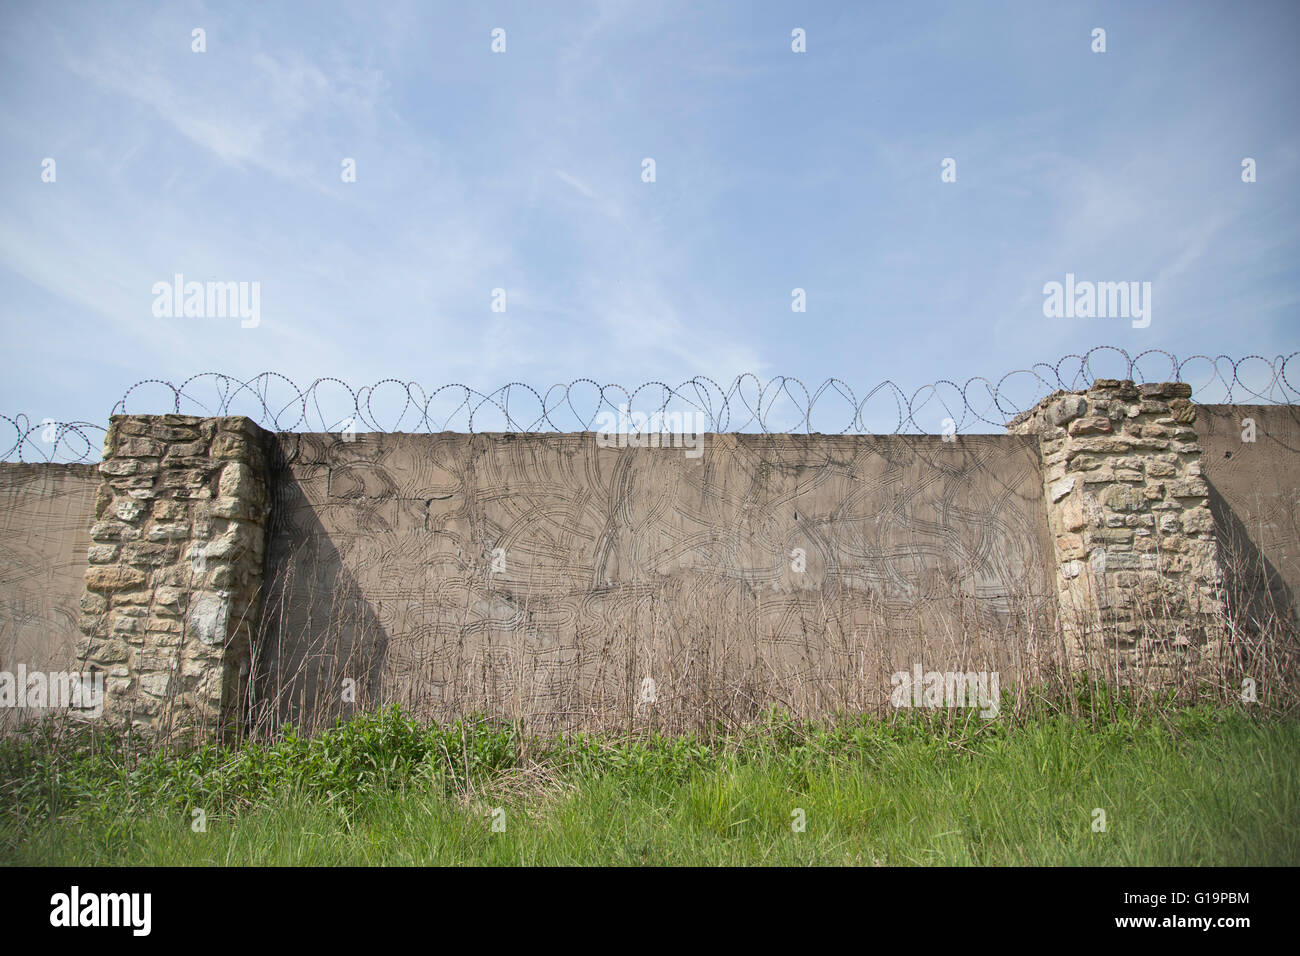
x,y
1192,786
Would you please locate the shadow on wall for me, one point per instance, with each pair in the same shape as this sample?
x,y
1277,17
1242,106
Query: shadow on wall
x,y
1250,454
1257,594
319,651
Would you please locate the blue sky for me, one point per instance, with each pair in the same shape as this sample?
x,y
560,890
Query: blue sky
x,y
522,170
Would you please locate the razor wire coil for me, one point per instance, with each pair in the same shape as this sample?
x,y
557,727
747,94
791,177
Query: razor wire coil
x,y
781,404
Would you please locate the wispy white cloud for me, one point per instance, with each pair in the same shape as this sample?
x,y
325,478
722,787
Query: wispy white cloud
x,y
576,183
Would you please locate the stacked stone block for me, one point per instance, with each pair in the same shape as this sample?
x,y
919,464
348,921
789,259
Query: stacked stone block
x,y
175,570
1128,508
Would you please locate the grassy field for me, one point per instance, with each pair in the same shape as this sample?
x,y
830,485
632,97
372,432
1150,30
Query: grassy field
x,y
1179,786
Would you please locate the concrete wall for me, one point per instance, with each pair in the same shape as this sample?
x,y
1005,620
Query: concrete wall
x,y
1255,498
548,579
45,516
545,578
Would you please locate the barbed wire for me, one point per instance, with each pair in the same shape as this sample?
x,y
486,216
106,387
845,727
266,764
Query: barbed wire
x,y
748,404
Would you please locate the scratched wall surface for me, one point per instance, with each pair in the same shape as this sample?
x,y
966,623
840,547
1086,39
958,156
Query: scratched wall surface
x,y
46,511
1255,497
544,578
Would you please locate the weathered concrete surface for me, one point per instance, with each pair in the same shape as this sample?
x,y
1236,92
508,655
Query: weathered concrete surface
x,y
46,511
1255,497
547,579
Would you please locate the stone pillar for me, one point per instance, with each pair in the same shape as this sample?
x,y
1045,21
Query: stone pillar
x,y
1136,559
174,580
